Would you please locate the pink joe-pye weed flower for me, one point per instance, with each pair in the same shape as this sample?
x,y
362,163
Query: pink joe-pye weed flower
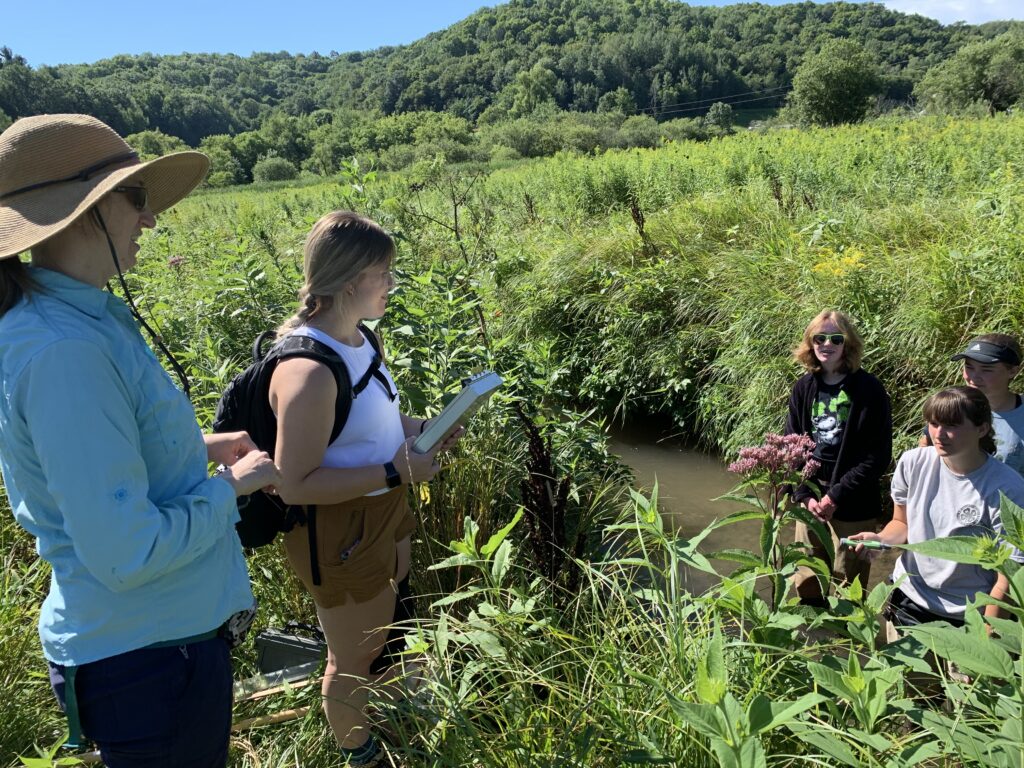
x,y
778,455
810,468
769,471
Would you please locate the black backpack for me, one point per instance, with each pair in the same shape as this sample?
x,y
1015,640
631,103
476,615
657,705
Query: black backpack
x,y
245,406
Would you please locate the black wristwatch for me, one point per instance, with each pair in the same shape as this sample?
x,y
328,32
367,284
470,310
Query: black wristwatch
x,y
394,479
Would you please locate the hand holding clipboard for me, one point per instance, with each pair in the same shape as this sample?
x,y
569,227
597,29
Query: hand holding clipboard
x,y
473,395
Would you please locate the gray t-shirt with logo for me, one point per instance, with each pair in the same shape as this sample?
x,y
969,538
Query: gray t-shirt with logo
x,y
941,503
1009,434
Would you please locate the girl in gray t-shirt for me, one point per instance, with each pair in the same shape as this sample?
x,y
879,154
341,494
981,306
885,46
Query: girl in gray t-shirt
x,y
990,363
951,488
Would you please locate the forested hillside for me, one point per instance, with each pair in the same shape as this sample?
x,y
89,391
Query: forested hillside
x,y
651,56
663,53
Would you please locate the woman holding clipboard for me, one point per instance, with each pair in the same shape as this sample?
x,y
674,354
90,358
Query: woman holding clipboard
x,y
357,482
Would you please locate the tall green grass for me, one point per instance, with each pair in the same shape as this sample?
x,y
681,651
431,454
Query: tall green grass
x,y
28,711
917,236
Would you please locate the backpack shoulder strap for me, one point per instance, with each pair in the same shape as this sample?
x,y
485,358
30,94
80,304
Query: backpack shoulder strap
x,y
374,339
303,346
257,346
310,348
373,371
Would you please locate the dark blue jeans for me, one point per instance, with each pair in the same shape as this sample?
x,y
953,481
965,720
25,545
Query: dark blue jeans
x,y
156,707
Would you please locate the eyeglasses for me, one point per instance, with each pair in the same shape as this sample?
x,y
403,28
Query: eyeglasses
x,y
836,338
139,196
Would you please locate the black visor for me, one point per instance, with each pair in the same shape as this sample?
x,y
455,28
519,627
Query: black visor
x,y
987,352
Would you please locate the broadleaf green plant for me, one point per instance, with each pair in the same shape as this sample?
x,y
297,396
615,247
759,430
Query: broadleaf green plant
x,y
770,471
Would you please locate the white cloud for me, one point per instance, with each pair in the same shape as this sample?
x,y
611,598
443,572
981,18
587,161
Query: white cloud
x,y
971,11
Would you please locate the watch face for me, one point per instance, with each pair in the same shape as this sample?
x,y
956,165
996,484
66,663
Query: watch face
x,y
394,479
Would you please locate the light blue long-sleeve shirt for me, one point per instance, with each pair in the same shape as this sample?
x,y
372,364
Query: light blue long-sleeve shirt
x,y
105,465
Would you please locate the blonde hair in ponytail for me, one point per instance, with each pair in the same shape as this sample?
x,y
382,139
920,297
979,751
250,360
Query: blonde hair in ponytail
x,y
339,246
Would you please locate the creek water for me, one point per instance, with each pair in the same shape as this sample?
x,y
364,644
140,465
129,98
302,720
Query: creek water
x,y
688,480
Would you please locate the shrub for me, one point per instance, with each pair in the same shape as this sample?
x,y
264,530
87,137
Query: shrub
x,y
990,74
835,85
150,144
639,131
273,168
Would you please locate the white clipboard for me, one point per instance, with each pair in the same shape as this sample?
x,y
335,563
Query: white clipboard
x,y
473,395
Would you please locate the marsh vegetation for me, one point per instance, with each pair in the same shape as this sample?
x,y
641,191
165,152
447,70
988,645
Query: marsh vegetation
x,y
670,282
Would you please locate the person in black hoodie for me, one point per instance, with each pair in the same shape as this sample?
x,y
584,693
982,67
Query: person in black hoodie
x,y
846,411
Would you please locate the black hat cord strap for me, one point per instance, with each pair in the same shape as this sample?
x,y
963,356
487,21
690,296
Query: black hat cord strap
x,y
82,175
178,370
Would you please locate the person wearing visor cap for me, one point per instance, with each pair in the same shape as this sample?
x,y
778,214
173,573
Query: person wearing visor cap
x,y
102,459
990,363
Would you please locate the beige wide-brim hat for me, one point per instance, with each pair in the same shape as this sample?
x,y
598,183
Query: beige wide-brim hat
x,y
53,168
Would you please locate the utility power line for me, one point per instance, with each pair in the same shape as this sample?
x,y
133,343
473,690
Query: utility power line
x,y
706,108
714,99
701,104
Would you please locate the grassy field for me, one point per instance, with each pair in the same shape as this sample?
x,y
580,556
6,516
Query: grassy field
x,y
671,281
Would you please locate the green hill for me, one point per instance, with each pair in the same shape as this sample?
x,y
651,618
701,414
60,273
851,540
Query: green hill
x,y
669,59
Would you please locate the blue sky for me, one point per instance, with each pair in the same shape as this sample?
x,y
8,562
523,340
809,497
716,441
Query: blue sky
x,y
73,31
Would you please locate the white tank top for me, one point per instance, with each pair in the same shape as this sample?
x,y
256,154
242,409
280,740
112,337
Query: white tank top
x,y
373,431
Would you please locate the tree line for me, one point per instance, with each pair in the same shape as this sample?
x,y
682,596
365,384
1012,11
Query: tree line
x,y
523,79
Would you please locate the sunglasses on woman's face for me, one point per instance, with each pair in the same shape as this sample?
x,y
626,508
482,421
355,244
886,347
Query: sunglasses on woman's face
x,y
138,196
821,338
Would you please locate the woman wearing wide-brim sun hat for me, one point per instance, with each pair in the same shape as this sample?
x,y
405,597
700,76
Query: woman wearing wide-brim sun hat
x,y
102,459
